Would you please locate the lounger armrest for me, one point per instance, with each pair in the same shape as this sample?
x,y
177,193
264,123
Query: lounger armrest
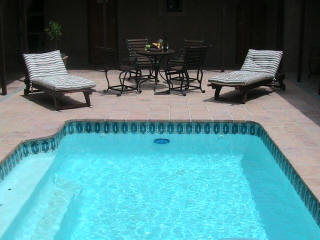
x,y
280,76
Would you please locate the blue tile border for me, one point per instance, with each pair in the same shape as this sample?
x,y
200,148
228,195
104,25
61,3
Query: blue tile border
x,y
51,143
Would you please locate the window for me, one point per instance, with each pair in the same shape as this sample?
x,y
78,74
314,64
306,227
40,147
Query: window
x,y
172,8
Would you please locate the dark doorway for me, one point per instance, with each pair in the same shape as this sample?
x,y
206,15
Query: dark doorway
x,y
102,28
35,26
251,27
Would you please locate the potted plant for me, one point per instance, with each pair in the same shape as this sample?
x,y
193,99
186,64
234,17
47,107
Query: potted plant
x,y
54,32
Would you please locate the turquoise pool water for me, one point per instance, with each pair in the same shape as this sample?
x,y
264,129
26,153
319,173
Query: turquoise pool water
x,y
124,186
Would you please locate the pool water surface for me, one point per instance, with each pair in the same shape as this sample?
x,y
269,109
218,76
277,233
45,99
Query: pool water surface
x,y
125,186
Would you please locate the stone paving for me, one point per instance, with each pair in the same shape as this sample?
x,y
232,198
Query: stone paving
x,y
292,118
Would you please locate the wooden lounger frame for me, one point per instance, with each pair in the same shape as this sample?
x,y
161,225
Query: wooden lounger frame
x,y
86,92
244,89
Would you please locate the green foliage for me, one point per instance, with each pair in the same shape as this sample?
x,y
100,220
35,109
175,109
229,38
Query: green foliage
x,y
54,31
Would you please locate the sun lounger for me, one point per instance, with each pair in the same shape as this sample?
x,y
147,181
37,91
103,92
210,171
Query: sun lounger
x,y
46,72
259,69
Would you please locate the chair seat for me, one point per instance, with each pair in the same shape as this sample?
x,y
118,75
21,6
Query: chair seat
x,y
126,68
240,78
64,82
176,61
175,68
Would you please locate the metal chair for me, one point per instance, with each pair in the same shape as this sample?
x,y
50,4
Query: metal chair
x,y
194,58
140,62
127,72
187,43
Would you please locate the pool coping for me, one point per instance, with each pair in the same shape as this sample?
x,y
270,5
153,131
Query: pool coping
x,y
51,142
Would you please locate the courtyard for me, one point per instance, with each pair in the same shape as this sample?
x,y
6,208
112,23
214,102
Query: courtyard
x,y
291,117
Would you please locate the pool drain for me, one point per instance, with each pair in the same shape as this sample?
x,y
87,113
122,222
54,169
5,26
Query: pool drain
x,y
161,141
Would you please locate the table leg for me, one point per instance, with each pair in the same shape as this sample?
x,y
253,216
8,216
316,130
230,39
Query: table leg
x,y
156,73
157,63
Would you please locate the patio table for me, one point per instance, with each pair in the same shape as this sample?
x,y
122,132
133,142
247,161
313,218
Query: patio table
x,y
157,58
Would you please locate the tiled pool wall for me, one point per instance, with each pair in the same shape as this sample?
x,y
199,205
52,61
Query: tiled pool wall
x,y
48,144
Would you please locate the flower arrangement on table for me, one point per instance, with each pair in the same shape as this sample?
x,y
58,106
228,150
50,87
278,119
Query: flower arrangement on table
x,y
161,45
153,47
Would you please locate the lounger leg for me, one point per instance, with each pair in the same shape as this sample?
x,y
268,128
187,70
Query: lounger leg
x,y
27,89
217,92
244,96
56,104
282,85
87,97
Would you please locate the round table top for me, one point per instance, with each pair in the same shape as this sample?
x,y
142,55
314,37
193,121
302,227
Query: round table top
x,y
156,53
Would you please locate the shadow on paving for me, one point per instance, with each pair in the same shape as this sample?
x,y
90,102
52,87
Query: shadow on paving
x,y
46,101
308,103
233,96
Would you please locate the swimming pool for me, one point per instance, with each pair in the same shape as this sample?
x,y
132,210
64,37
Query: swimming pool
x,y
110,180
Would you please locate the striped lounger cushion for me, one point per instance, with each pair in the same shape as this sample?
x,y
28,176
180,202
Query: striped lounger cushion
x,y
64,82
49,71
240,78
259,65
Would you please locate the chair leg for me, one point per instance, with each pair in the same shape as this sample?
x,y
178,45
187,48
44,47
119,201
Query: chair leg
x,y
181,84
138,76
186,76
168,80
87,97
199,78
138,87
122,83
106,74
217,92
137,80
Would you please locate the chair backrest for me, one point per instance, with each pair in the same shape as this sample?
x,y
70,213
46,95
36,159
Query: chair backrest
x,y
135,45
194,57
266,61
44,64
192,43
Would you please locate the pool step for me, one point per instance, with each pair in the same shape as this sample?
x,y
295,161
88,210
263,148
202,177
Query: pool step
x,y
58,205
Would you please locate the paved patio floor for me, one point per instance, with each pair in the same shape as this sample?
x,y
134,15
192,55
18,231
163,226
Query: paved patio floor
x,y
292,118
